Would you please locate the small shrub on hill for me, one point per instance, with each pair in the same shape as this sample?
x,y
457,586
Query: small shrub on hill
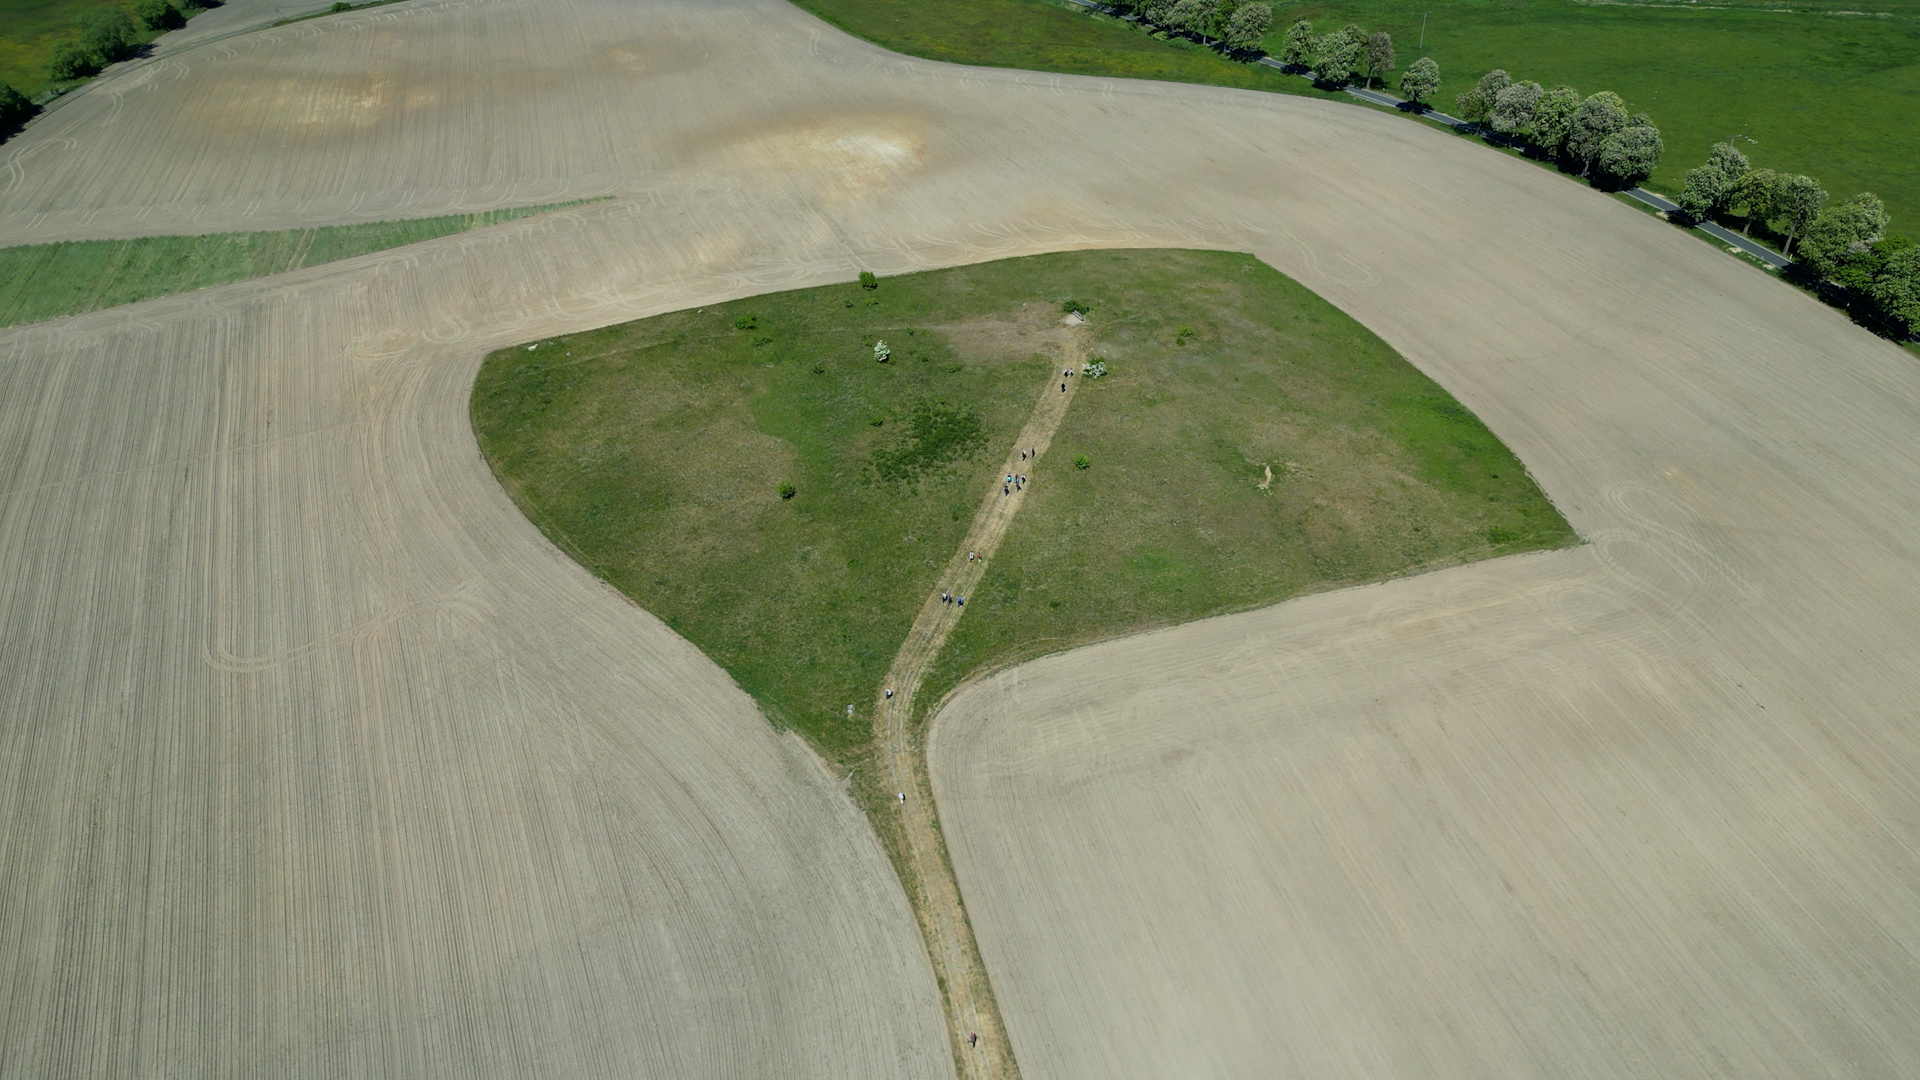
x,y
158,15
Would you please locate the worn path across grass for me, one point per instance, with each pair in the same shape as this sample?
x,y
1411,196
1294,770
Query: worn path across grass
x,y
921,852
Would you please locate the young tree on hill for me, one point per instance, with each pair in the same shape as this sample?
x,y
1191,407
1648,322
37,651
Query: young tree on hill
x,y
1420,81
1630,154
1798,200
1298,47
1334,56
1597,119
1841,231
1553,120
1248,27
107,34
1474,105
1379,55
158,15
1708,189
1512,111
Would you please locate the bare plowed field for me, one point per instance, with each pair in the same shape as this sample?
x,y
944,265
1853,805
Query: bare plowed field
x,y
318,759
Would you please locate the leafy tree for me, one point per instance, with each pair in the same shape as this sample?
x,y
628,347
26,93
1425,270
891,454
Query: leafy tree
x,y
1897,287
1758,194
1190,16
1420,81
1597,119
1334,56
1298,46
1474,105
1727,158
1709,188
1797,199
1512,111
1158,12
158,15
1860,270
1248,27
1219,14
1630,154
14,106
69,62
1553,120
1841,231
107,34
1379,55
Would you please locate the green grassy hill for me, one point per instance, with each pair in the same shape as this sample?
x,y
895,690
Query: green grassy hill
x,y
1827,90
656,453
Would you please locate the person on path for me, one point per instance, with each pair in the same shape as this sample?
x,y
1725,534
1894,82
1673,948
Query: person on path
x,y
961,600
1004,491
1063,388
889,691
903,797
973,1037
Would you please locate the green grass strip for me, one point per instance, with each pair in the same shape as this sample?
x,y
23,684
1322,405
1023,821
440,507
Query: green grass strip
x,y
750,474
47,281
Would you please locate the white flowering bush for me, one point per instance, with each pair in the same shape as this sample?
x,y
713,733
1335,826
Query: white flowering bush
x,y
881,352
1094,368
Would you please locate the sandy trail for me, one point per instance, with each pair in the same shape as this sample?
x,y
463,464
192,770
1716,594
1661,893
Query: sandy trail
x,y
315,758
928,875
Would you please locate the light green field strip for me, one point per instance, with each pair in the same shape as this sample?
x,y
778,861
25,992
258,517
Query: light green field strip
x,y
46,281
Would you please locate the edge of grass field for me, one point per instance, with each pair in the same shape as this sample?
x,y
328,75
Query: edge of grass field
x,y
1307,88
